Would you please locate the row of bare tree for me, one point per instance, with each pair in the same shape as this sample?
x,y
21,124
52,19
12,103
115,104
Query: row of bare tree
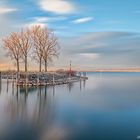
x,y
38,41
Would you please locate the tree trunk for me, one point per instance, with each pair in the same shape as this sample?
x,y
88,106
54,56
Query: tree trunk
x,y
17,65
46,66
26,64
40,61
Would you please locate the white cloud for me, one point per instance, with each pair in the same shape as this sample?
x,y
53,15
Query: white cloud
x,y
89,55
4,10
42,21
83,20
49,19
57,6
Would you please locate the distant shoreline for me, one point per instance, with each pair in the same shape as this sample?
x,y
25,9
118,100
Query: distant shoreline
x,y
113,71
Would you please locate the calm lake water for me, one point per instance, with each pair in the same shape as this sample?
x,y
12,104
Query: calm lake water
x,y
105,107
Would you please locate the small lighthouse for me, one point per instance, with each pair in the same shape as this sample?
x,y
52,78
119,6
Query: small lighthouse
x,y
70,70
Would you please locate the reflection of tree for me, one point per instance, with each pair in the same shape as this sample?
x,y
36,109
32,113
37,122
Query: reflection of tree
x,y
84,83
53,90
7,84
32,107
12,87
34,110
80,85
17,92
44,109
70,86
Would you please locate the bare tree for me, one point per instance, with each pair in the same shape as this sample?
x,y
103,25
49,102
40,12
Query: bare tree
x,y
37,37
45,45
44,42
11,44
25,43
51,48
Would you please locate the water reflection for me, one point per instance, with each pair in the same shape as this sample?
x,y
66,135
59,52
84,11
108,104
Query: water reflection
x,y
70,86
25,113
28,112
7,84
13,87
84,84
107,106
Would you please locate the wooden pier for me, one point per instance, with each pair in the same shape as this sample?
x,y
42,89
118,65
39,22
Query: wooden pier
x,y
55,82
50,79
43,79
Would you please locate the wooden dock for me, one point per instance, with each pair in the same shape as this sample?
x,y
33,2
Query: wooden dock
x,y
50,82
43,79
56,82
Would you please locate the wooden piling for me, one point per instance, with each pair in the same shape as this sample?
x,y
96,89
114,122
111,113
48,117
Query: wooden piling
x,y
0,81
26,80
37,79
7,82
0,76
53,80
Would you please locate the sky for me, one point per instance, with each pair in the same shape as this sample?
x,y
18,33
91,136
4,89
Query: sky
x,y
93,34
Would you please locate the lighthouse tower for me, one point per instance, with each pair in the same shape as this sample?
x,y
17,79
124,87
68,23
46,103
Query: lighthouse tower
x,y
70,70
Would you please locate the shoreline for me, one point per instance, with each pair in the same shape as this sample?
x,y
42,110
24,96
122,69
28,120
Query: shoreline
x,y
114,71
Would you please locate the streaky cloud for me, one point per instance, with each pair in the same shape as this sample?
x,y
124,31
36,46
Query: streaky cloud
x,y
103,49
49,19
5,10
83,20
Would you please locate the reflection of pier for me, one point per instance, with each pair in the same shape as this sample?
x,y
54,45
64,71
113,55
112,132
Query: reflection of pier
x,y
81,84
31,107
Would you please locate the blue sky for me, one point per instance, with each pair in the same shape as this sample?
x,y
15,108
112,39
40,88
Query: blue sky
x,y
92,33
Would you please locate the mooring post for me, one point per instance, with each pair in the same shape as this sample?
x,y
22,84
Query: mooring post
x,y
7,82
37,79
12,83
80,75
84,83
17,91
63,78
53,80
7,78
69,79
45,91
0,81
0,77
17,77
26,81
12,77
80,85
53,90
